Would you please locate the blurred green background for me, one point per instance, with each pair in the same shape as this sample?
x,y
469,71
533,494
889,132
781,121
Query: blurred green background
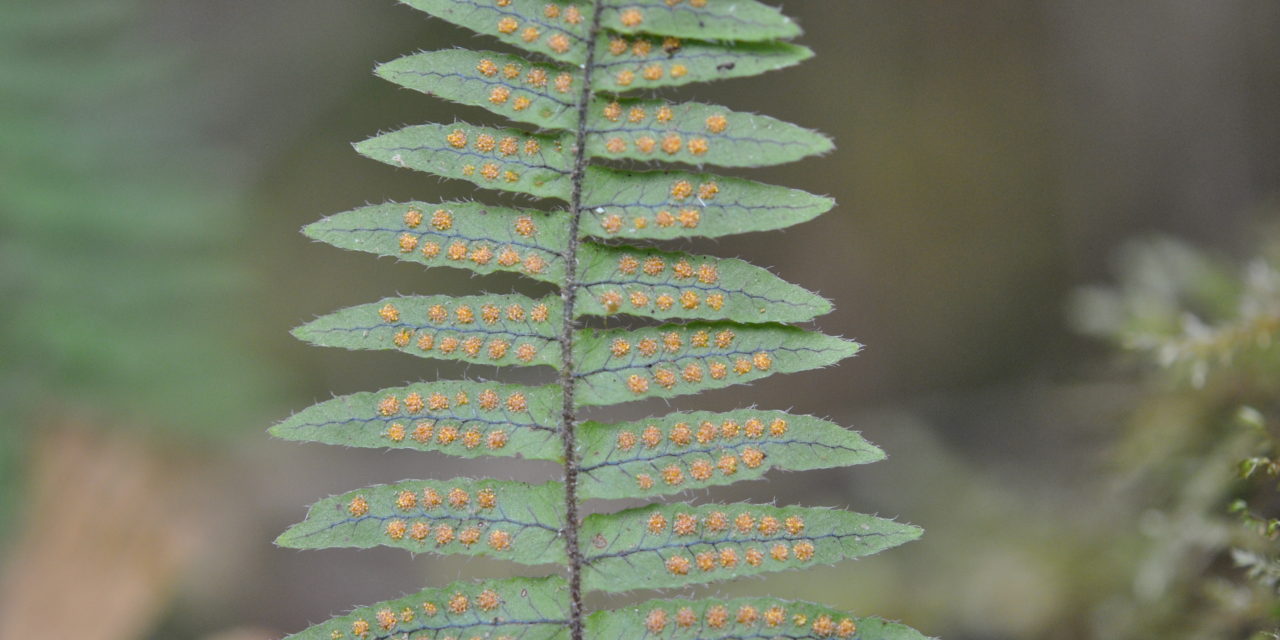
x,y
993,158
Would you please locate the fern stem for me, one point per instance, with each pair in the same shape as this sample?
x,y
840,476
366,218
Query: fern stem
x,y
569,293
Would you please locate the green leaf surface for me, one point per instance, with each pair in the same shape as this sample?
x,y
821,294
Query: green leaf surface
x,y
706,19
666,285
488,329
671,545
464,235
620,365
504,159
651,62
662,205
695,133
740,618
560,34
525,608
460,418
538,93
684,451
509,520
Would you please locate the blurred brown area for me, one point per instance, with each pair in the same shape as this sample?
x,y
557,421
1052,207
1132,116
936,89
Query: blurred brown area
x,y
991,156
107,522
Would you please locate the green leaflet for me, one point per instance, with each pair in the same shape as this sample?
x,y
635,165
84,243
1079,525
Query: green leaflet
x,y
527,608
527,24
652,62
465,235
629,364
466,419
756,618
709,20
509,520
496,330
672,545
684,451
538,93
695,133
666,285
505,159
674,204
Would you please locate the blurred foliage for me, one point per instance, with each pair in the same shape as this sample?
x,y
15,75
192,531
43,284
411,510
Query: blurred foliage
x,y
1201,449
116,236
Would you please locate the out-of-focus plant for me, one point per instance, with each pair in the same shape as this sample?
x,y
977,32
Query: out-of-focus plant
x,y
115,232
119,318
1201,450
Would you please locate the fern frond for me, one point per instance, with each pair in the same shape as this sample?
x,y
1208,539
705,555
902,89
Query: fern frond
x,y
732,325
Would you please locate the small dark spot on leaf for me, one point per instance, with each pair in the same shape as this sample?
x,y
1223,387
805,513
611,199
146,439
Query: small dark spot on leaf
x,y
726,66
599,542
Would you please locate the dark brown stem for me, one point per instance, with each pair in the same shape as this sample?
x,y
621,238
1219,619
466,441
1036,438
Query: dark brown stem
x,y
569,293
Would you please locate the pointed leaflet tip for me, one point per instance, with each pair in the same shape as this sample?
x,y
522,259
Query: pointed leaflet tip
x,y
285,539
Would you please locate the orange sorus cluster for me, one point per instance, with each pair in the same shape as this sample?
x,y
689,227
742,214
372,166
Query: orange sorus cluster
x,y
718,617
537,77
682,434
388,619
488,400
727,558
556,41
694,372
688,217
